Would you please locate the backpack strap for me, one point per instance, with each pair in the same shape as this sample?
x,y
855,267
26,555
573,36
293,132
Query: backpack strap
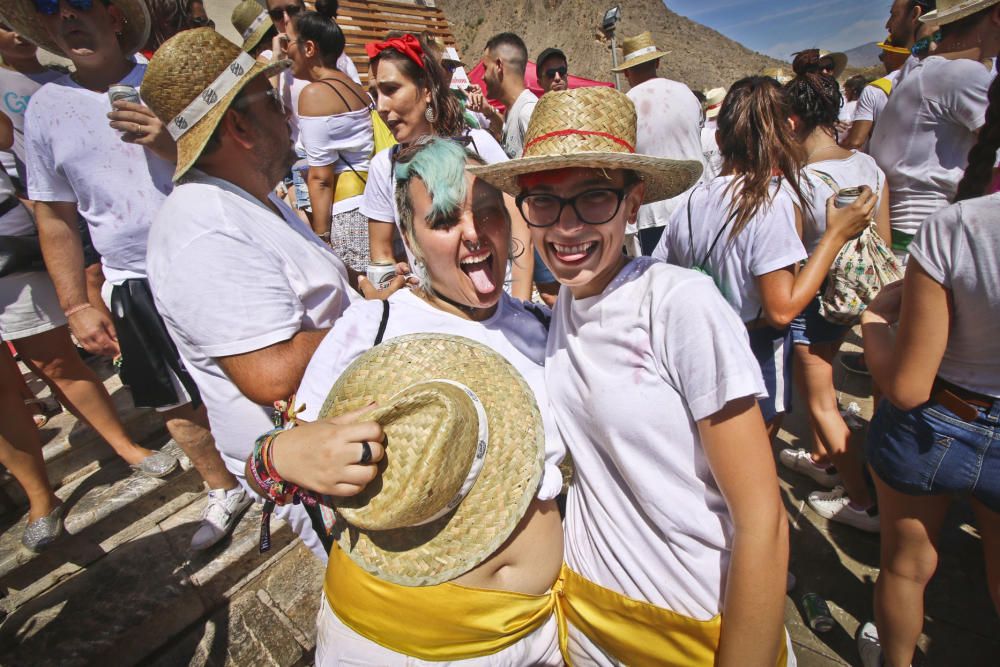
x,y
826,178
539,314
383,322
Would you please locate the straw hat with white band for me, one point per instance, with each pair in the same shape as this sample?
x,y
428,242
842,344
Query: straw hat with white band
x,y
190,83
713,101
593,128
464,452
251,22
949,11
637,50
26,21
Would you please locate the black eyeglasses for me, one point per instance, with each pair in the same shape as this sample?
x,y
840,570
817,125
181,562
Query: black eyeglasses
x,y
51,7
289,10
242,102
552,71
594,207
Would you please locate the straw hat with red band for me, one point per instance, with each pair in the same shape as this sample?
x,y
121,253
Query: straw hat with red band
x,y
713,102
26,21
590,128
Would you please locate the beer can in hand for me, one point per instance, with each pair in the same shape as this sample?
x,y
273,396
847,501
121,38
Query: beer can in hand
x,y
120,91
846,197
380,274
817,613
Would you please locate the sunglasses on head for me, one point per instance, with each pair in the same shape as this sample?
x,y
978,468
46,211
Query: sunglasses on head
x,y
51,7
552,71
277,13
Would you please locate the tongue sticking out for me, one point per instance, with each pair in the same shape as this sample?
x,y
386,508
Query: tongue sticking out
x,y
481,276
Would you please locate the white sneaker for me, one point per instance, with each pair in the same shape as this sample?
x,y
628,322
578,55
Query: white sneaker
x,y
220,516
836,506
800,461
869,647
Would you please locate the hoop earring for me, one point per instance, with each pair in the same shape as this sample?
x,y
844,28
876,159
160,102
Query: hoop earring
x,y
430,114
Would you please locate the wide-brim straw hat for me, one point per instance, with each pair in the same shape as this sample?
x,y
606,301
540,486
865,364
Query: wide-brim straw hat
x,y
949,11
637,50
251,22
713,101
778,74
25,20
190,83
446,404
839,61
591,127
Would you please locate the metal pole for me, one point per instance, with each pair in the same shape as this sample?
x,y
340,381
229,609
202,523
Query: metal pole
x,y
614,61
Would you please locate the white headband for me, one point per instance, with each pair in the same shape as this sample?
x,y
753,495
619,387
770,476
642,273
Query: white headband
x,y
640,52
211,96
256,24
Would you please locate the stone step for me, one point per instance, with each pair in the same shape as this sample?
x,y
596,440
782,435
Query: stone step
x,y
117,600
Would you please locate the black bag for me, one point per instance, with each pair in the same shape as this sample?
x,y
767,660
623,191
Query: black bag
x,y
20,253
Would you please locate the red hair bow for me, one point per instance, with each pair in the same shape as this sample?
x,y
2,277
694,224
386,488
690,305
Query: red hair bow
x,y
408,45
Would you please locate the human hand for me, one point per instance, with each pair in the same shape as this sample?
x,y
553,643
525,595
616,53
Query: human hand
x,y
330,456
885,307
845,223
371,292
95,332
476,99
279,46
140,125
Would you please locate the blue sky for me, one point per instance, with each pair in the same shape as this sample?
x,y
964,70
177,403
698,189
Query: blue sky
x,y
780,27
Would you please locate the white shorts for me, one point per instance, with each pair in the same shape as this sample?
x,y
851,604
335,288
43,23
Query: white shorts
x,y
337,644
28,305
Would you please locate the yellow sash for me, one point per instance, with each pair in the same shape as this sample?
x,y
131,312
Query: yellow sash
x,y
636,633
349,184
883,84
443,622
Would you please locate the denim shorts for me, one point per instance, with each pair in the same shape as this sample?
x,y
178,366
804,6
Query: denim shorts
x,y
930,450
773,352
810,327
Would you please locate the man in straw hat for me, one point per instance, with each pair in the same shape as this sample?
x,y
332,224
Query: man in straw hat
x,y
669,124
709,145
674,521
244,286
116,177
875,95
254,26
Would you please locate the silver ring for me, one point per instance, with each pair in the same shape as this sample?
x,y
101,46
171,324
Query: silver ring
x,y
366,453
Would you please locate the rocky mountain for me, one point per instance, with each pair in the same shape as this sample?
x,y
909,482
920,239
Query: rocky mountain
x,y
863,56
699,56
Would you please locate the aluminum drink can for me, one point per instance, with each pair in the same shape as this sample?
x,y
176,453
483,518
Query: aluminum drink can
x,y
817,613
380,274
846,197
124,93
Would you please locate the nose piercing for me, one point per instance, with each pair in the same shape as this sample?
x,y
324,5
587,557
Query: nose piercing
x,y
472,247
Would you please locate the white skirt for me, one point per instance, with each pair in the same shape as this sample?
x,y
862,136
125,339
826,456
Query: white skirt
x,y
337,644
28,305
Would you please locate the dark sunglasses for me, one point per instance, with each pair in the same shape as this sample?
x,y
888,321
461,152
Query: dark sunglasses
x,y
552,71
278,12
51,7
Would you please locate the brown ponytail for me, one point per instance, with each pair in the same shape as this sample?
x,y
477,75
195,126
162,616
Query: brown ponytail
x,y
983,156
757,143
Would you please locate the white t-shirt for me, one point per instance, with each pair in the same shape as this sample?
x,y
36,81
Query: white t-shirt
x,y
513,332
924,134
846,113
873,99
515,125
75,156
959,247
344,141
710,150
229,276
16,90
629,372
855,171
668,124
768,242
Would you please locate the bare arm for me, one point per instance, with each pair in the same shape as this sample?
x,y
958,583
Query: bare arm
x,y
6,132
321,182
856,139
904,365
739,454
273,373
523,267
380,241
882,216
786,292
59,237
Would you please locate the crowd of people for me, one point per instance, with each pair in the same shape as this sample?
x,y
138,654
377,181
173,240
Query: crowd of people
x,y
513,365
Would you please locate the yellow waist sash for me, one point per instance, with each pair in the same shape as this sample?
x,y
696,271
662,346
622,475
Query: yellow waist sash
x,y
443,622
349,184
634,632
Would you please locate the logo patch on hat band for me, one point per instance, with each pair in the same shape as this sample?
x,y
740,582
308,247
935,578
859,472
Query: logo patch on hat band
x,y
210,97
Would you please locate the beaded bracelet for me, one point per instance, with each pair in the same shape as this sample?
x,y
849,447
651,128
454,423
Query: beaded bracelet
x,y
277,491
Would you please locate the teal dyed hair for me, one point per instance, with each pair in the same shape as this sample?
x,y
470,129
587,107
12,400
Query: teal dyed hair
x,y
440,164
